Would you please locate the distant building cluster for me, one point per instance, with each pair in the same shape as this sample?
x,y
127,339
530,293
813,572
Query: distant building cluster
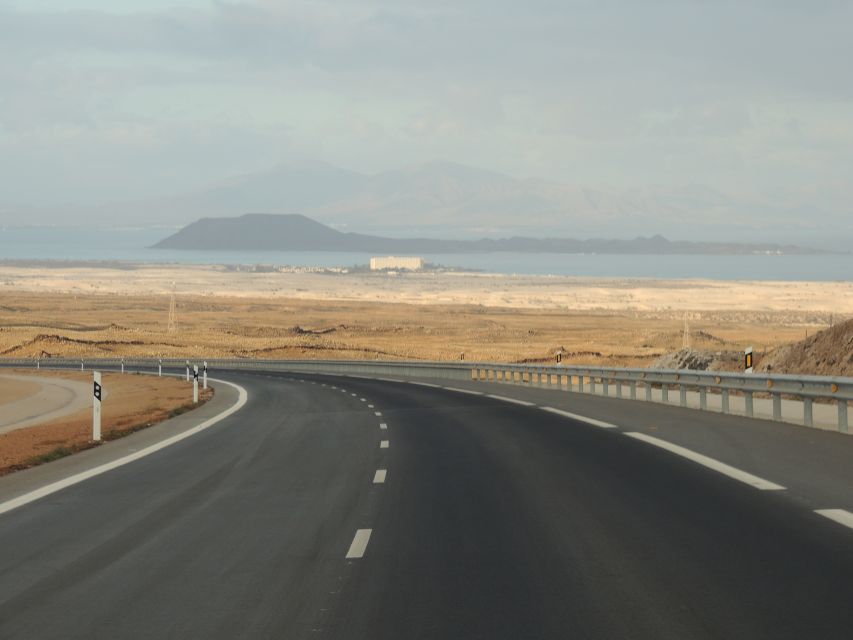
x,y
396,263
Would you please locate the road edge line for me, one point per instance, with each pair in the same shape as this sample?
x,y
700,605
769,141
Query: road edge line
x,y
59,485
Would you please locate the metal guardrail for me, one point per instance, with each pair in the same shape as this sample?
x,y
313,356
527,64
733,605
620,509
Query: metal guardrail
x,y
808,389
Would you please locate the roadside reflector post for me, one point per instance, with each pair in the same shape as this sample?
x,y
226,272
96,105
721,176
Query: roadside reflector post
x,y
96,407
205,374
188,370
748,360
122,365
38,364
160,367
81,364
195,383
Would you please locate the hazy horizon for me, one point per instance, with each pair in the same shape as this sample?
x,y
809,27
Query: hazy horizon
x,y
721,120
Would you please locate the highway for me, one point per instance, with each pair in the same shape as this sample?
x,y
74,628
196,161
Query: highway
x,y
334,507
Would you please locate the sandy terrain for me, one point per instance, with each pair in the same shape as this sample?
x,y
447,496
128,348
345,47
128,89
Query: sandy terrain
x,y
12,390
54,398
529,292
134,402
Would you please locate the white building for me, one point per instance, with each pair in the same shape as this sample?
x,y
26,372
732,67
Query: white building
x,y
397,263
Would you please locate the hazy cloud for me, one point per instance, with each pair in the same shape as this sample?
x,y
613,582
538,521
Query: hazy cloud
x,y
743,96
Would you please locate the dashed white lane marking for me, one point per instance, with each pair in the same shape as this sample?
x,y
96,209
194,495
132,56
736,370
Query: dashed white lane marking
x,y
574,416
382,425
837,515
468,391
353,395
359,544
710,463
363,400
96,471
378,413
379,476
426,384
384,444
512,400
370,406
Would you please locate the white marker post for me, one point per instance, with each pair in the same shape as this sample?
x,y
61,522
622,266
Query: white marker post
x,y
188,370
81,364
96,408
160,368
195,383
38,364
122,365
205,374
748,360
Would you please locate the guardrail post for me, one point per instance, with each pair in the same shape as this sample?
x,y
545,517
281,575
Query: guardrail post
x,y
725,400
633,386
777,407
618,388
842,416
682,398
605,384
648,391
592,385
664,393
580,384
808,414
750,407
703,398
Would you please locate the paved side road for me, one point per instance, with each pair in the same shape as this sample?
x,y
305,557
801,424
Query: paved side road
x,y
343,508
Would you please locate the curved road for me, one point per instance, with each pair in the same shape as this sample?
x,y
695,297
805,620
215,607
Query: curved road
x,y
492,520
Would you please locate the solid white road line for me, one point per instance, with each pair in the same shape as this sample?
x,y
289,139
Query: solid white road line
x,y
710,463
512,400
147,451
468,391
382,425
387,379
838,515
359,544
378,413
426,384
574,416
379,477
384,444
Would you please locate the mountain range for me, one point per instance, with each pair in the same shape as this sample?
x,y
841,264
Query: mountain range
x,y
264,232
443,199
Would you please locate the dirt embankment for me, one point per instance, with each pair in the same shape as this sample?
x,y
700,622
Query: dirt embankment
x,y
134,402
827,353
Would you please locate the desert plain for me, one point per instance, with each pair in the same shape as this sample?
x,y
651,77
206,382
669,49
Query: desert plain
x,y
55,309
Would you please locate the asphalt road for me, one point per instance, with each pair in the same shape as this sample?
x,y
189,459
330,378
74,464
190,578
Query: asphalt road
x,y
494,520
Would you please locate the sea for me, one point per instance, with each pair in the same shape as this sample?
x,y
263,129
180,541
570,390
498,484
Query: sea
x,y
133,245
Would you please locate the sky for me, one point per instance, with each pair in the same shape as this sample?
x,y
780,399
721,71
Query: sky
x,y
123,99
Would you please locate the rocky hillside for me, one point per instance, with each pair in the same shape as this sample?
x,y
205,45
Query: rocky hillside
x,y
828,353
